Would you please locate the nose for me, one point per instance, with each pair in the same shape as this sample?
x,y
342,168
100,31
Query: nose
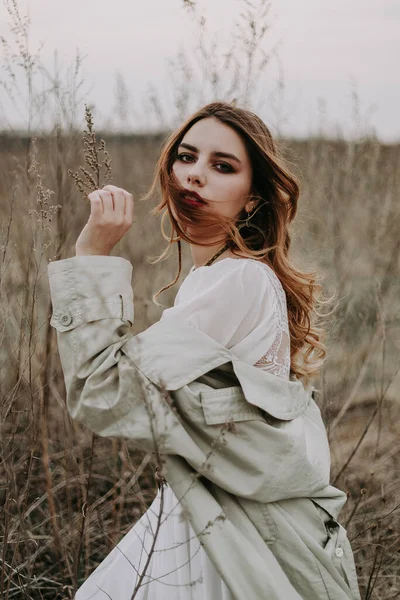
x,y
193,179
194,175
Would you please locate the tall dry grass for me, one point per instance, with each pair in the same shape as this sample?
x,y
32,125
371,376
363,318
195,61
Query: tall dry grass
x,y
67,496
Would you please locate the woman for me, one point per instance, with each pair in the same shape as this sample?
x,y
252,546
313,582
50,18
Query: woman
x,y
235,353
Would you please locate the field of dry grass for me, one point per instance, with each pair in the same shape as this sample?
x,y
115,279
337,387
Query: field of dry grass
x,y
68,496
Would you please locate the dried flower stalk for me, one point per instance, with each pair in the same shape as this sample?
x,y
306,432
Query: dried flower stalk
x,y
92,175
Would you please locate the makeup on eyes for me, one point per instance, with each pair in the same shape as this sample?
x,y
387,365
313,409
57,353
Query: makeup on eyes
x,y
214,153
230,169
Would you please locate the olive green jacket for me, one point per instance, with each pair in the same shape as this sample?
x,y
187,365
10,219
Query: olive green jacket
x,y
245,451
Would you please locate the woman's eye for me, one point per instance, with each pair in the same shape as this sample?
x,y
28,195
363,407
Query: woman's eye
x,y
180,156
230,170
222,164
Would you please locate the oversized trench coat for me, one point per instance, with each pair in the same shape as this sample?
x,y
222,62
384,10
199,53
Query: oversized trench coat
x,y
244,451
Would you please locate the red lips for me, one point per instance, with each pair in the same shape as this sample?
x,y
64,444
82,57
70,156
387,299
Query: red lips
x,y
193,197
193,202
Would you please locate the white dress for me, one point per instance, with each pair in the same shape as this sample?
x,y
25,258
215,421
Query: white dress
x,y
241,304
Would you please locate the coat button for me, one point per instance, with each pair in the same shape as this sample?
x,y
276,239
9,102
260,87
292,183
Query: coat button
x,y
339,552
66,319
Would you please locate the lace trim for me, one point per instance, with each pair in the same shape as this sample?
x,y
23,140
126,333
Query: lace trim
x,y
277,358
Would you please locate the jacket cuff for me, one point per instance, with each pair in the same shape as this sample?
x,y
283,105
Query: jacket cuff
x,y
89,288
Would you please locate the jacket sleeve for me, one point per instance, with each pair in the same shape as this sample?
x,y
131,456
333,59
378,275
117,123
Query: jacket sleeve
x,y
217,432
93,311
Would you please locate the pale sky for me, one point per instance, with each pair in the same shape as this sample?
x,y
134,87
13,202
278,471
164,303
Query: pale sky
x,y
327,51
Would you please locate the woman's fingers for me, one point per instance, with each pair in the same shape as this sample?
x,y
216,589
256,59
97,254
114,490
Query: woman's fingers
x,y
96,204
110,218
129,207
113,203
110,202
123,201
120,200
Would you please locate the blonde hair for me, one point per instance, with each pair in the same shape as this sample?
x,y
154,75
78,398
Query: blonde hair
x,y
277,191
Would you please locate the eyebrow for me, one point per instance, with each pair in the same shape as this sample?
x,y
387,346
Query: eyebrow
x,y
214,153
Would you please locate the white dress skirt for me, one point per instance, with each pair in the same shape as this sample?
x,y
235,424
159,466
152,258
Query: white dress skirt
x,y
241,304
179,568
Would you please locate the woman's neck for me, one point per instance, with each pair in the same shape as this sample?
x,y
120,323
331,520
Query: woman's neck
x,y
202,254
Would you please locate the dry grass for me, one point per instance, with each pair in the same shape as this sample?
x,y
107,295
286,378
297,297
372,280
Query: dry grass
x,y
68,496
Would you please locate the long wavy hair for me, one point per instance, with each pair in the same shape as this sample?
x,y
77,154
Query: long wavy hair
x,y
275,192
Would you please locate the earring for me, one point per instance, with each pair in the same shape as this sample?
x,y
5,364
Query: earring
x,y
249,225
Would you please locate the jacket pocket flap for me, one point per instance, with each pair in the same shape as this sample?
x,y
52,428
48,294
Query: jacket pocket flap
x,y
227,404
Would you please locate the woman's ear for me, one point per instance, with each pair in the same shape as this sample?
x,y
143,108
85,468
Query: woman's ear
x,y
256,194
253,200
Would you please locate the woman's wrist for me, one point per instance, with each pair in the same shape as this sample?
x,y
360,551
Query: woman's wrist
x,y
89,252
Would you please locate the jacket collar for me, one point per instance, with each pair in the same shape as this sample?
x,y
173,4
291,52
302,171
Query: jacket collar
x,y
172,356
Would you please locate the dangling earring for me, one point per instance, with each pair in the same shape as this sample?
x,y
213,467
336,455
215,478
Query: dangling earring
x,y
249,225
247,221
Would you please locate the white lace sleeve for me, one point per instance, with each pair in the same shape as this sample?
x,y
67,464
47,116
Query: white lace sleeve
x,y
276,359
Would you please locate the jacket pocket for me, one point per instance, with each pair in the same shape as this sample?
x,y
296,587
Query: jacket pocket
x,y
338,547
227,404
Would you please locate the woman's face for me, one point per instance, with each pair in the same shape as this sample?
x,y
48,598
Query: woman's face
x,y
223,181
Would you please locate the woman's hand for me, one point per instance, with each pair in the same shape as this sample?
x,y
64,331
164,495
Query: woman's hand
x,y
110,218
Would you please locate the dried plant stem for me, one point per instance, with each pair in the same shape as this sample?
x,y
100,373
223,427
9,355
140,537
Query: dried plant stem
x,y
84,512
46,466
92,175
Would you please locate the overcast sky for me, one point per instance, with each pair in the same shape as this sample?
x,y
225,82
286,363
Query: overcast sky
x,y
326,52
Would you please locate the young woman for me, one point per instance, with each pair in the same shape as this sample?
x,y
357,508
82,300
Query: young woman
x,y
227,193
